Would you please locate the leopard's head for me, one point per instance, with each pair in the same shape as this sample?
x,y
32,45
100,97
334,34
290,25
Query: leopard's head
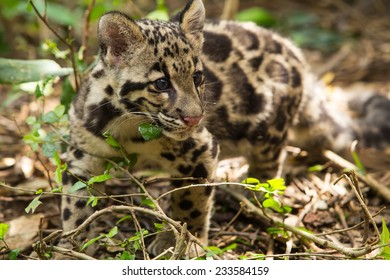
x,y
154,67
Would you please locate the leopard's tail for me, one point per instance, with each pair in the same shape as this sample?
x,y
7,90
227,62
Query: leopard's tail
x,y
334,122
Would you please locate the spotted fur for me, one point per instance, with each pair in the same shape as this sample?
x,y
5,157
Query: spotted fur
x,y
211,86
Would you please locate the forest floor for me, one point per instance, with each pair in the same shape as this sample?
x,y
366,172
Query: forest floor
x,y
345,213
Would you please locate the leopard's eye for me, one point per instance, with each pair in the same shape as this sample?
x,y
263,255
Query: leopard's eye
x,y
198,78
162,84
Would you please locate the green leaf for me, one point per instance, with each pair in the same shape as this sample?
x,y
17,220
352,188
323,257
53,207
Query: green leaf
x,y
150,131
213,250
273,204
57,159
127,256
3,230
38,91
124,218
59,110
33,139
316,168
111,140
93,200
113,232
254,182
57,190
358,162
277,184
49,148
58,172
15,71
159,226
257,15
33,204
50,117
385,236
148,202
385,241
13,254
131,160
251,181
31,120
93,240
286,209
77,186
137,235
230,247
99,179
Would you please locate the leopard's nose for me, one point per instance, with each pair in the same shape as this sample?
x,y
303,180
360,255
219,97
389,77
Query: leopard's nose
x,y
192,121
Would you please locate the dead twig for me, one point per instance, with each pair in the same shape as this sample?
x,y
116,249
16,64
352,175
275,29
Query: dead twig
x,y
352,180
71,253
180,244
381,189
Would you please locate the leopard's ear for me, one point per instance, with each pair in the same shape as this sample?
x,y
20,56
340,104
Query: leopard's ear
x,y
120,37
191,22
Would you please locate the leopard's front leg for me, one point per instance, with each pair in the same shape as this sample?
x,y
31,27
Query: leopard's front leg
x,y
74,208
197,157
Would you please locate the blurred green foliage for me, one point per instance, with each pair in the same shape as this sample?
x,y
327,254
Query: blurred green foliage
x,y
20,27
306,31
258,15
302,27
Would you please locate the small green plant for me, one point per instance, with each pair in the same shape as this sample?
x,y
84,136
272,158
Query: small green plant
x,y
48,130
270,189
13,254
134,243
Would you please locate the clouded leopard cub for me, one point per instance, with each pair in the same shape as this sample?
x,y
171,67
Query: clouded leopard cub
x,y
211,86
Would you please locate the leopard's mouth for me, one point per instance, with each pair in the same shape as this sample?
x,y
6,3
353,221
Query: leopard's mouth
x,y
174,128
178,134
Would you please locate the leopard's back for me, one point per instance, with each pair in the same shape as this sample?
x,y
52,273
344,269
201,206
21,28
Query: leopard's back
x,y
254,85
